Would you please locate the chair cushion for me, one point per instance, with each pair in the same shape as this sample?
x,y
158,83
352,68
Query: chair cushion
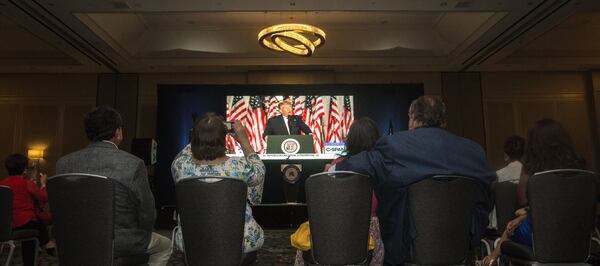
x,y
140,259
518,251
24,233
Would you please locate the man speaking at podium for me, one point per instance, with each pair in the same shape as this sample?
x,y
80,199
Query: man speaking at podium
x,y
286,123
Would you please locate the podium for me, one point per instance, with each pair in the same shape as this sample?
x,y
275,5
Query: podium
x,y
290,144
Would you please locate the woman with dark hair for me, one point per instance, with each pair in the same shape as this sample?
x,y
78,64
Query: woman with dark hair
x,y
548,147
362,136
514,146
205,156
25,195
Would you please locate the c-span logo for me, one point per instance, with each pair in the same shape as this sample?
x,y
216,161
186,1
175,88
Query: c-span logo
x,y
290,146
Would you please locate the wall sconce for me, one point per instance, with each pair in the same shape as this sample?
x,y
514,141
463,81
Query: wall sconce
x,y
35,154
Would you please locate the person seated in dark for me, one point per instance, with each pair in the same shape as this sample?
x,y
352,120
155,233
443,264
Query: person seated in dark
x,y
25,194
425,150
134,213
548,147
286,123
362,136
513,153
205,156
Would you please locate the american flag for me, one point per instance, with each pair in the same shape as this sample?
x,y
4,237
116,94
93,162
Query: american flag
x,y
307,112
318,111
273,109
347,116
259,120
230,143
334,125
240,111
298,102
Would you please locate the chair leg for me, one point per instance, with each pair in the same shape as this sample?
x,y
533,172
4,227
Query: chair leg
x,y
35,253
488,248
11,245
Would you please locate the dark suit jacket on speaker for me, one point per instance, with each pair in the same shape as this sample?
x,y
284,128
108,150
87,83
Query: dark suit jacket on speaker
x,y
134,203
407,157
276,126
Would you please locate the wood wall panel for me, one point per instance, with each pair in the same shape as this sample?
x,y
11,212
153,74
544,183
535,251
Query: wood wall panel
x,y
126,103
462,94
8,115
501,124
531,111
556,95
41,130
73,131
573,116
147,121
44,111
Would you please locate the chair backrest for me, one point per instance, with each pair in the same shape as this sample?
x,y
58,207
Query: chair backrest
x,y
441,208
505,196
562,208
82,215
212,214
339,206
6,206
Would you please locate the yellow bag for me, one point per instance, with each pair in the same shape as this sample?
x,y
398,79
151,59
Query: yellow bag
x,y
301,238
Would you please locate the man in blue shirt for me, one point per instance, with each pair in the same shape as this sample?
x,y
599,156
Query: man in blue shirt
x,y
425,150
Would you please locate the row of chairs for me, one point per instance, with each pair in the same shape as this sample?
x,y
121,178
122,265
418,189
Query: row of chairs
x,y
212,218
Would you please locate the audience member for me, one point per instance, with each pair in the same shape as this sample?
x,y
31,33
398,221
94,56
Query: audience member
x,y
362,136
25,194
135,212
513,151
41,208
548,147
205,156
427,149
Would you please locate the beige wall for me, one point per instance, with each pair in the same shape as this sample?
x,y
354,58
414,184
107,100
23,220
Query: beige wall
x,y
514,101
44,111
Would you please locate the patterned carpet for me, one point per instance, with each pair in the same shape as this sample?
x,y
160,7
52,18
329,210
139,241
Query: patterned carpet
x,y
276,251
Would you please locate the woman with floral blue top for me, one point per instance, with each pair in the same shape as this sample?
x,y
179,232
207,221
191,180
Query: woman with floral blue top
x,y
205,156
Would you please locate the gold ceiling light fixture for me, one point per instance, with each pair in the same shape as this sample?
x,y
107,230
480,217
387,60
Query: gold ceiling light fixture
x,y
298,39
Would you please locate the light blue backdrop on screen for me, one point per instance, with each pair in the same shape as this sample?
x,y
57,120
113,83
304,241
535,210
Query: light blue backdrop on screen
x,y
177,104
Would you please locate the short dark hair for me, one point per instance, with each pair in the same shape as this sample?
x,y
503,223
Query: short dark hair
x,y
428,111
549,147
101,123
514,146
362,136
15,164
208,137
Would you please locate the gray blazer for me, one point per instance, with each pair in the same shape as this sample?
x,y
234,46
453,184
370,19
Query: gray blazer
x,y
134,203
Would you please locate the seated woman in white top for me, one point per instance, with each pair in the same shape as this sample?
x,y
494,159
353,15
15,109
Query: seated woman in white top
x,y
205,156
513,152
514,147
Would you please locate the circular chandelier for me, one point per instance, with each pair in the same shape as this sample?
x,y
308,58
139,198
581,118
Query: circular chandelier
x,y
298,39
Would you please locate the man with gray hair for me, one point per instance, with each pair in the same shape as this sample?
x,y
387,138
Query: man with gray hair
x,y
425,150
